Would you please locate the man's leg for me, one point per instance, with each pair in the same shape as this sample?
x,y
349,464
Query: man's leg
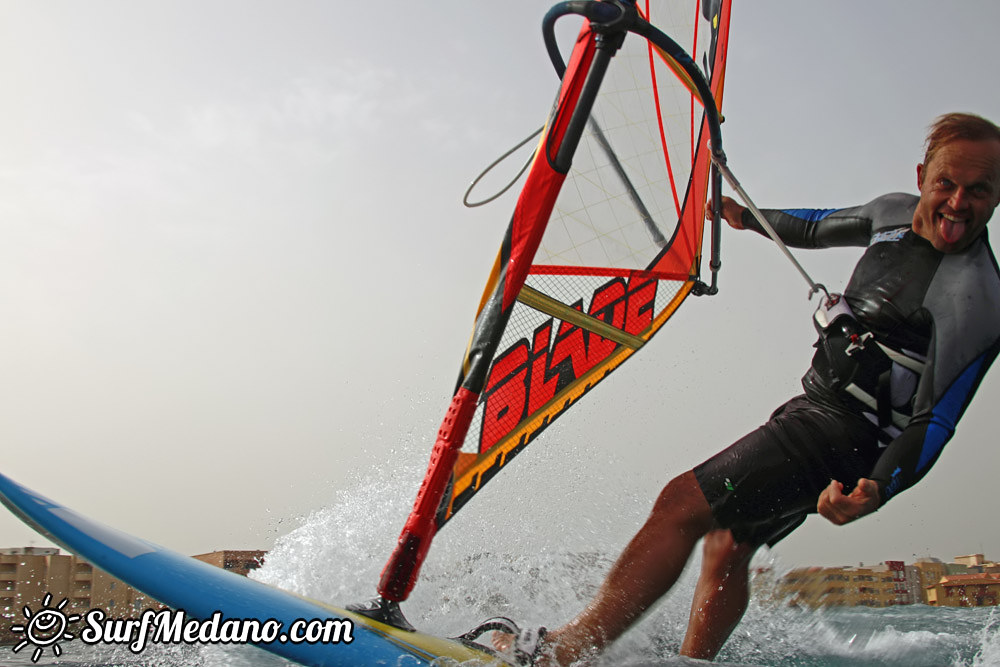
x,y
721,595
648,567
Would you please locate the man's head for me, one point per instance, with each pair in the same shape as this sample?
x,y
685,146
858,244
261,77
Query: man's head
x,y
959,181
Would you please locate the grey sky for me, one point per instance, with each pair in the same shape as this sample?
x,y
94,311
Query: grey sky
x,y
236,275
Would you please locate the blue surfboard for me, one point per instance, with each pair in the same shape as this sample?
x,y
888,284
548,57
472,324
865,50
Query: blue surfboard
x,y
202,590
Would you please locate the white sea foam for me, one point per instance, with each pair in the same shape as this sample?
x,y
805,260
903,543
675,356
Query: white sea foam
x,y
988,636
480,569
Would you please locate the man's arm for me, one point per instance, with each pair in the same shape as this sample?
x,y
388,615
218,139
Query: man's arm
x,y
805,228
908,457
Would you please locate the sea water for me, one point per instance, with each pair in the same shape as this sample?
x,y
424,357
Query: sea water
x,y
911,636
487,567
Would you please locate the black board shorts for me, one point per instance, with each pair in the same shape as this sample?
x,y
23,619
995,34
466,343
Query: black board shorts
x,y
763,485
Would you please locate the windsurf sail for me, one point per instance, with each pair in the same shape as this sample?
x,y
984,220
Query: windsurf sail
x,y
603,246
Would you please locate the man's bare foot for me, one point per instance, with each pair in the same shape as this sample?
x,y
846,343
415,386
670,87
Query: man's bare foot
x,y
528,648
503,642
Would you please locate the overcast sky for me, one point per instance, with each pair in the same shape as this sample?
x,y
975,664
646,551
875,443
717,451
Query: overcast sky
x,y
236,276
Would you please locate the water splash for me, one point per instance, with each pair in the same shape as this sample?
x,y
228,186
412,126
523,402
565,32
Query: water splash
x,y
988,653
490,566
495,564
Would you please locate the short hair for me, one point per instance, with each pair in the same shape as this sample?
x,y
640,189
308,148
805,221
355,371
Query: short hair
x,y
953,126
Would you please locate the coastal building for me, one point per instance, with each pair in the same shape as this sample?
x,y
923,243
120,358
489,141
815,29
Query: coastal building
x,y
29,574
929,572
240,562
972,563
24,577
967,581
965,590
862,586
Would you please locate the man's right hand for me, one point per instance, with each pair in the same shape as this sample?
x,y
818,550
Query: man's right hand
x,y
840,509
732,212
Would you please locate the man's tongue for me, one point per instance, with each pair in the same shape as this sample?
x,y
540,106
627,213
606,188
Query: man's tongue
x,y
950,230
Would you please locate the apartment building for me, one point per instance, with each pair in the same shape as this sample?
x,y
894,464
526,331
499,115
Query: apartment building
x,y
967,581
29,574
965,590
240,562
872,586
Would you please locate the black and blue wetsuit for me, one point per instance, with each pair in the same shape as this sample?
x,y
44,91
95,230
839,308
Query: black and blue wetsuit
x,y
936,315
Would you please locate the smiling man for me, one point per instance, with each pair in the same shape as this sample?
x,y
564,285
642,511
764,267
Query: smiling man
x,y
899,356
958,188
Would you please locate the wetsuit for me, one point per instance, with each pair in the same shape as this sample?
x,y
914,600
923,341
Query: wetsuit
x,y
937,318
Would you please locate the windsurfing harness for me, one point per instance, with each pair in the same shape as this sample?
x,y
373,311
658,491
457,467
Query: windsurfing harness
x,y
856,363
913,336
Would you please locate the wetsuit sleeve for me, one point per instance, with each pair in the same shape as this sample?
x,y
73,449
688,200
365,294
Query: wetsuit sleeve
x,y
909,456
816,228
837,227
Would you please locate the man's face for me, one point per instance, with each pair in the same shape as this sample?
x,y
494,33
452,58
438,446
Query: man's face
x,y
959,188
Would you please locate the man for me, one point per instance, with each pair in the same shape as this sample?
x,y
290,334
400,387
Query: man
x,y
876,411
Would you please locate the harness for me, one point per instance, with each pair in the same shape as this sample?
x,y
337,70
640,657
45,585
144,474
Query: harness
x,y
862,367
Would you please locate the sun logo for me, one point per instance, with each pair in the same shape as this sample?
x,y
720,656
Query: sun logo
x,y
45,628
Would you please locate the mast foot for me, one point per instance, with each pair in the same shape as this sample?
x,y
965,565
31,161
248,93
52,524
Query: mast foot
x,y
384,611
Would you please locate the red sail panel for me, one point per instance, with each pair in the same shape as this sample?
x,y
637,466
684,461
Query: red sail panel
x,y
594,261
622,247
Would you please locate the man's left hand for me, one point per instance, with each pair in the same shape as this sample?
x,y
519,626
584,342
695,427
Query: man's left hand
x,y
840,509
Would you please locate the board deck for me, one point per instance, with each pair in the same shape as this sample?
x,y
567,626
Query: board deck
x,y
200,589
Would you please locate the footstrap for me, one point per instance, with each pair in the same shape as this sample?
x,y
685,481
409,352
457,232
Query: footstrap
x,y
528,645
527,642
495,624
